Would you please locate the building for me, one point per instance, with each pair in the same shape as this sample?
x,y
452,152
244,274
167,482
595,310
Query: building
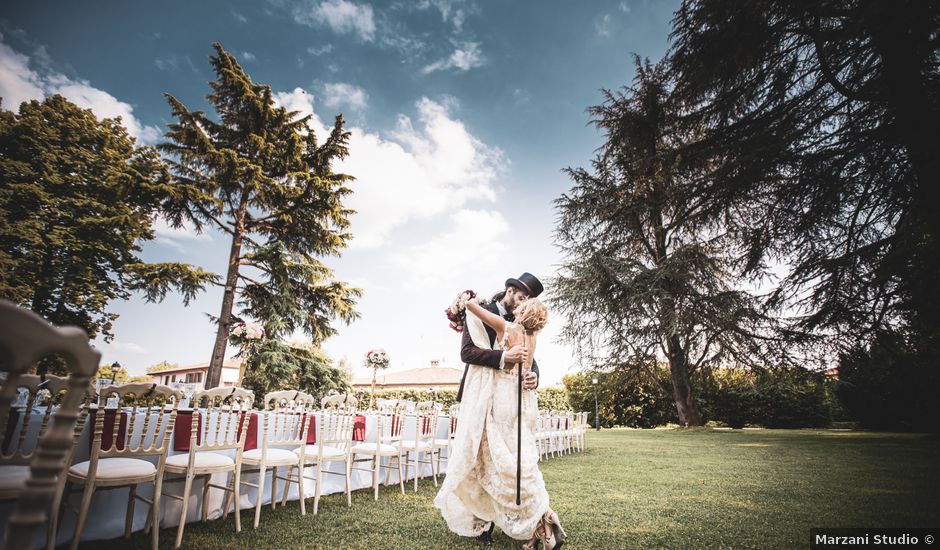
x,y
434,377
196,374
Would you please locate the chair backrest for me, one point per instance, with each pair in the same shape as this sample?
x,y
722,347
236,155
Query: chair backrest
x,y
141,425
406,405
25,338
286,418
335,429
454,414
339,401
226,409
426,425
388,426
383,404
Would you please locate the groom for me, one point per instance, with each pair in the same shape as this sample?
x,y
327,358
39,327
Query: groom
x,y
516,291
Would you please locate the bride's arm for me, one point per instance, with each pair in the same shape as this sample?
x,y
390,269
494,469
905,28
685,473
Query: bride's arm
x,y
494,321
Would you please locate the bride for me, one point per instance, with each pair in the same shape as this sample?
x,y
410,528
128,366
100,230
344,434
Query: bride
x,y
480,486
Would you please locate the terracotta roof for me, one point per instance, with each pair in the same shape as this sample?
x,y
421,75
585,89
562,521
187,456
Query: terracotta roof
x,y
227,364
426,376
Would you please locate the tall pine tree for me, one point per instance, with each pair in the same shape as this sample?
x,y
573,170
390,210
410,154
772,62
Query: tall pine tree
x,y
645,277
258,174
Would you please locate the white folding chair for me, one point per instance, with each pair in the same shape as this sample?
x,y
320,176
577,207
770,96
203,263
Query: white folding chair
x,y
333,442
423,441
388,443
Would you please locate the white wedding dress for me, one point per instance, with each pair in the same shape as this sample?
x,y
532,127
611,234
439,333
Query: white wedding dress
x,y
480,486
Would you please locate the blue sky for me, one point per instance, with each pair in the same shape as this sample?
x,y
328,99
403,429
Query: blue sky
x,y
463,115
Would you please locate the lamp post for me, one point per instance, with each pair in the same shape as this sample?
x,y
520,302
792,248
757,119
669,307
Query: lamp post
x,y
597,419
116,368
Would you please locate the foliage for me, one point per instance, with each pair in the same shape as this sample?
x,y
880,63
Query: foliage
x,y
644,275
444,397
887,385
78,198
273,365
625,397
258,174
771,398
554,399
161,366
819,151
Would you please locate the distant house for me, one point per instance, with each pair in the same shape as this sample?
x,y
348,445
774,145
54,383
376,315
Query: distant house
x,y
196,374
435,376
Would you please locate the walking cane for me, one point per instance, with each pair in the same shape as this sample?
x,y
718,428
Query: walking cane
x,y
519,434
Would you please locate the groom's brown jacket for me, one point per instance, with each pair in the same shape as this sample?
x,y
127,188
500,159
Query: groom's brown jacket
x,y
470,354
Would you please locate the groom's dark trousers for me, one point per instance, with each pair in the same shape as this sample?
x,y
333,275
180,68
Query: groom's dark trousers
x,y
470,354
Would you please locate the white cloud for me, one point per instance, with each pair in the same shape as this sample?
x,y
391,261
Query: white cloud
x,y
452,11
625,8
127,347
337,94
342,16
466,56
320,50
472,247
177,237
424,168
18,83
602,25
248,56
238,16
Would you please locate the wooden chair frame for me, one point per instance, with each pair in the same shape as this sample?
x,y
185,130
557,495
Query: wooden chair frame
x,y
425,432
388,431
26,338
231,407
146,401
334,429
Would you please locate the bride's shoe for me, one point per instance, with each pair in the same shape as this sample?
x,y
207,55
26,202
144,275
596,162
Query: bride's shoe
x,y
538,535
558,532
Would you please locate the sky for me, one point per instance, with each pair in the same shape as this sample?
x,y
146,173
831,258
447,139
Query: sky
x,y
463,115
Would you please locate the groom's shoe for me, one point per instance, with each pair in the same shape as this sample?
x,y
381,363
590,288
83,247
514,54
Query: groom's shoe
x,y
486,537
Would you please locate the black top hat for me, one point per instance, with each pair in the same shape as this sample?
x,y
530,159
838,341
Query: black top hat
x,y
528,283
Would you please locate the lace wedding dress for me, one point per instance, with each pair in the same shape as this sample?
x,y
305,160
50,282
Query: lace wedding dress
x,y
480,486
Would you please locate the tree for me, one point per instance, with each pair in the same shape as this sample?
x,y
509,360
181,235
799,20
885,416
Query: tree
x,y
276,365
107,372
259,175
821,145
78,198
644,276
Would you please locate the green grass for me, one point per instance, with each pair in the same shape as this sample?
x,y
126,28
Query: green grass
x,y
645,489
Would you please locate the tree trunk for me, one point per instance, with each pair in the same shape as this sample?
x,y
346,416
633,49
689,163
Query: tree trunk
x,y
689,414
214,375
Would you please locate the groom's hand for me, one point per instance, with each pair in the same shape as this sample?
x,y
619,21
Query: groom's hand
x,y
514,355
531,381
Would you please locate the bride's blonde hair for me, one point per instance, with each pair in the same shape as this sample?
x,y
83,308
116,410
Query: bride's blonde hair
x,y
532,315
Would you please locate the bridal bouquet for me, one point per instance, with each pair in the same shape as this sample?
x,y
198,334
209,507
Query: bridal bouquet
x,y
457,312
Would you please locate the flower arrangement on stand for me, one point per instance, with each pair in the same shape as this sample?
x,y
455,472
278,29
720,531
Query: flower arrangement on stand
x,y
375,360
246,334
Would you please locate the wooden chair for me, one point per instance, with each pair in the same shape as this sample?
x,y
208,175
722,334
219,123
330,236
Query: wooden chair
x,y
425,431
333,443
283,423
227,410
439,445
388,443
35,479
339,401
383,404
148,411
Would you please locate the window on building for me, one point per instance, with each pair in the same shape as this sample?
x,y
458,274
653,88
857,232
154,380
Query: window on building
x,y
194,378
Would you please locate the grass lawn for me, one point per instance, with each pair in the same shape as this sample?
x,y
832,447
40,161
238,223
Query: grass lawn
x,y
645,489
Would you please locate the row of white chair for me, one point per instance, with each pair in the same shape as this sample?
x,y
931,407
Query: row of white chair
x,y
560,432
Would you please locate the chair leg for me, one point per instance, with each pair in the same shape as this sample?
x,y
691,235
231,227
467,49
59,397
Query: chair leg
x,y
187,489
155,512
375,476
274,487
417,465
300,487
55,512
401,475
205,498
227,499
82,515
348,476
290,470
316,494
260,498
433,467
129,520
236,496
